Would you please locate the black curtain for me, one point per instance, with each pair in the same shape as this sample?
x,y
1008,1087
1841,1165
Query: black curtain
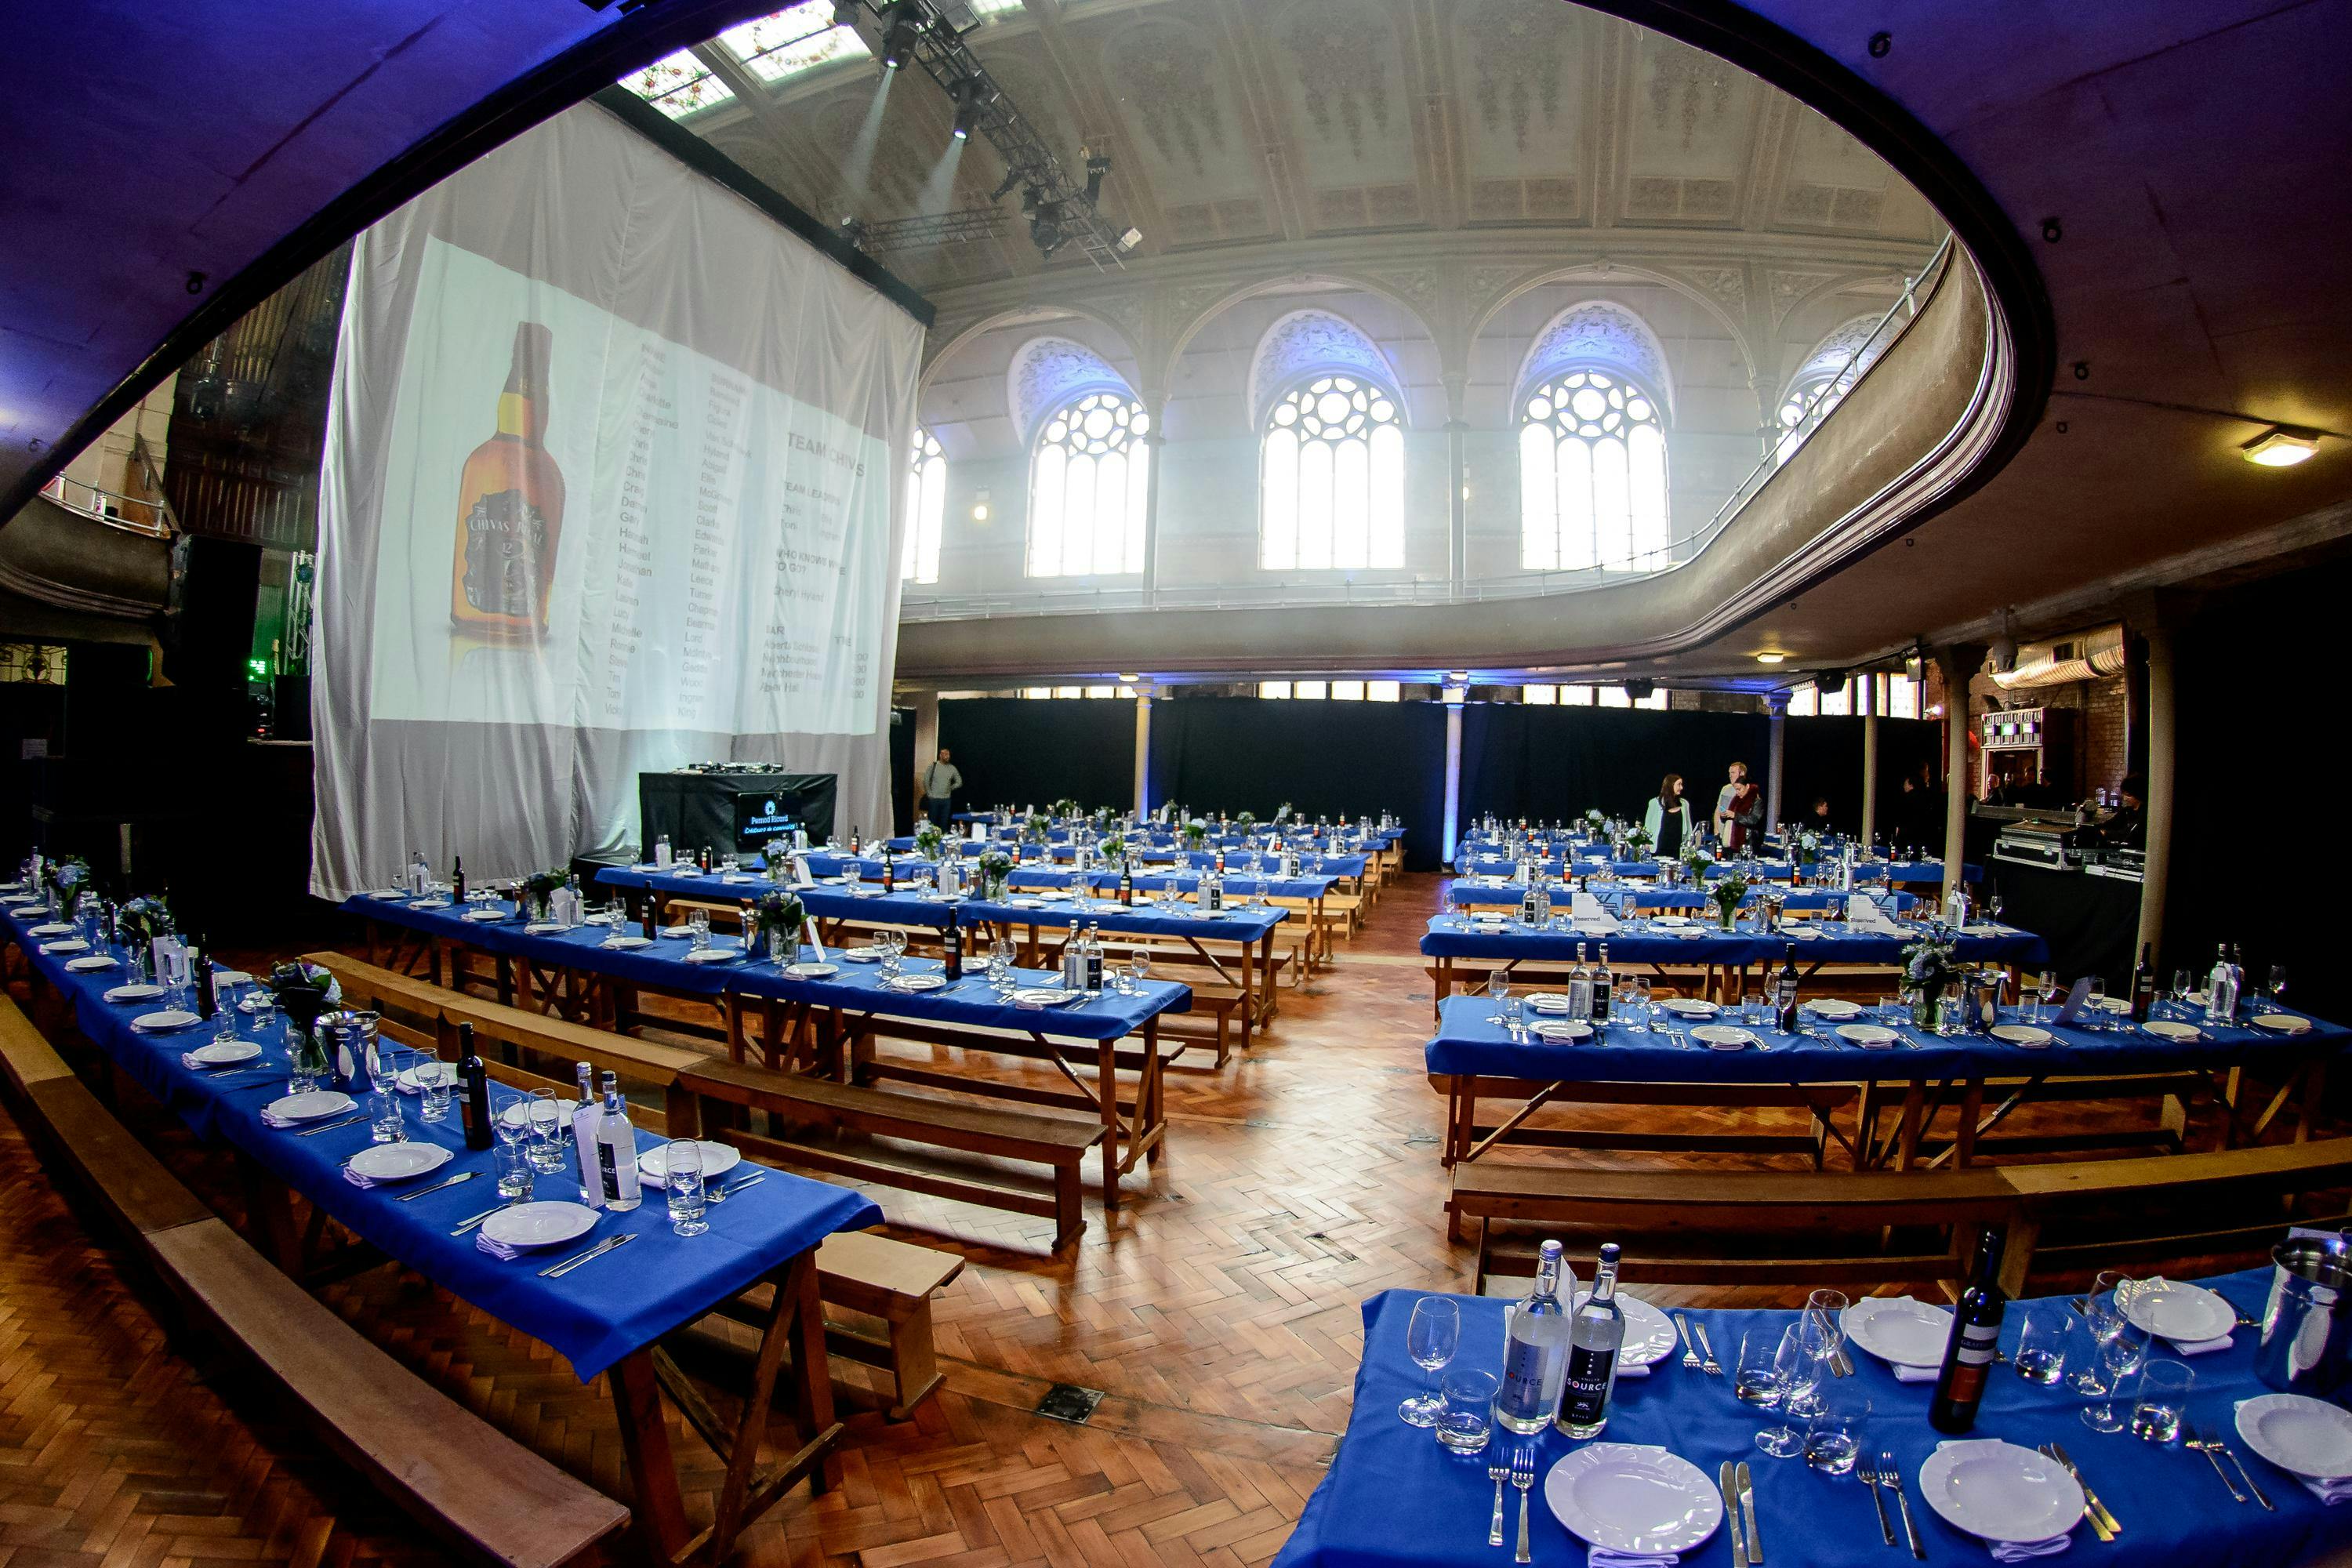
x,y
2255,680
1027,751
1327,759
1545,763
902,774
1823,756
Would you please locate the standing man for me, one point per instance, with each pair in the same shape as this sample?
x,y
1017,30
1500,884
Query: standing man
x,y
940,781
1738,809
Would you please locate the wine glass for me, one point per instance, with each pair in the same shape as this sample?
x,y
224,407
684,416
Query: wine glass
x,y
2278,984
1430,1339
545,1114
1139,965
2103,1315
2047,989
1793,1371
1821,1331
1498,985
2118,1357
682,1175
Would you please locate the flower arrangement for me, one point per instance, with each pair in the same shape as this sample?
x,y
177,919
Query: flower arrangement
x,y
1196,833
1113,849
1282,812
996,871
779,916
303,992
1727,894
1929,966
1638,841
928,839
144,920
1695,860
1066,809
1595,818
1245,821
67,881
1809,844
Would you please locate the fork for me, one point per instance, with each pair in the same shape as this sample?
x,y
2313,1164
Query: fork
x,y
1523,1476
1690,1349
1892,1479
1498,1473
2212,1443
1869,1474
2192,1438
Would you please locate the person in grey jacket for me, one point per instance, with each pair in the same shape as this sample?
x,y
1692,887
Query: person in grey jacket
x,y
940,781
1668,819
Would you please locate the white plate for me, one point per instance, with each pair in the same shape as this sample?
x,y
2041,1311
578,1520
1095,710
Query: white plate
x,y
2301,1436
1649,1335
2172,1309
625,943
1042,996
2025,1035
85,965
231,977
915,982
862,954
1025,903
677,931
1984,931
2000,1491
1546,1002
2277,1023
1633,1499
718,1158
140,993
1561,1031
398,1161
490,914
169,1018
1833,1007
541,1223
220,1053
516,1114
310,1105
542,928
1671,920
71,944
54,928
2172,1029
811,971
1870,1037
714,955
1722,1036
1689,1006
1900,1331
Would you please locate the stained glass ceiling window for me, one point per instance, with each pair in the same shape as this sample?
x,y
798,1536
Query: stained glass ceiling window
x,y
987,10
678,85
797,38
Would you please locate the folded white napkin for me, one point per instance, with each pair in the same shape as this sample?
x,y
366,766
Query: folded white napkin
x,y
2199,1347
2025,1551
1914,1373
192,1065
355,1179
269,1119
1605,1557
2329,1492
685,870
498,1249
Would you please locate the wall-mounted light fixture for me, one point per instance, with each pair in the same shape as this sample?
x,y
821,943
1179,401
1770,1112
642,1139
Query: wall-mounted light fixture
x,y
2280,446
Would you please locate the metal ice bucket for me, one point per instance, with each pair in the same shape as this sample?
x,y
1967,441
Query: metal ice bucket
x,y
2306,1343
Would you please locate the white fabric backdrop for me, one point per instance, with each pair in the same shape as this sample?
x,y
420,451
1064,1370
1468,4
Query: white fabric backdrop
x,y
730,413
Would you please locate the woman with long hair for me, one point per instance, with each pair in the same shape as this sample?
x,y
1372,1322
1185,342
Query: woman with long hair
x,y
1668,819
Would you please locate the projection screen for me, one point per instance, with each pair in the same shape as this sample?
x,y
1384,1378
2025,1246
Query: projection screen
x,y
611,485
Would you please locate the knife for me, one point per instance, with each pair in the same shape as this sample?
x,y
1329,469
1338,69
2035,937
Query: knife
x,y
1731,1515
2098,1525
577,1259
421,1192
1748,1512
471,1221
2098,1510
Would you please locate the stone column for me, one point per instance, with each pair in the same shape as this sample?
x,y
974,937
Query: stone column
x,y
1776,704
2163,741
1142,752
1454,695
1869,757
1958,663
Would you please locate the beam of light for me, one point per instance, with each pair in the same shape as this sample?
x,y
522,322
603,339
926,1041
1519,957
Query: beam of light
x,y
938,191
859,164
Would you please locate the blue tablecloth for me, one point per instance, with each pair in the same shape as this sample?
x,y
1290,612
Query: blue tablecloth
x,y
1305,886
1466,1043
858,987
1392,1496
1453,936
593,1316
1241,925
1622,898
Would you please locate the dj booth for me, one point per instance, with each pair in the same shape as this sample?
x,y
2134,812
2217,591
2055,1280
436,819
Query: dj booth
x,y
733,808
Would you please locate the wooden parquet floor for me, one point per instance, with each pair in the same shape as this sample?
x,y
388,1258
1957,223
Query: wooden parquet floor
x,y
1217,1312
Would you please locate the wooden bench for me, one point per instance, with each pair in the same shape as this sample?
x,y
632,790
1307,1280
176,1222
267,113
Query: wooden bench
x,y
1059,1142
877,1278
522,1049
487,1497
1707,1227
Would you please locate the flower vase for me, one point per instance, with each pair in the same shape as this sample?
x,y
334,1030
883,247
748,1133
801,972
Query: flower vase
x,y
1729,915
784,946
1952,1008
1921,1000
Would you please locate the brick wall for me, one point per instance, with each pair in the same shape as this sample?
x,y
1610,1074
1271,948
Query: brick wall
x,y
2103,733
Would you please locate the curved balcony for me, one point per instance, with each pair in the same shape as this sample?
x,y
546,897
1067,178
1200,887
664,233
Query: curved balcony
x,y
89,551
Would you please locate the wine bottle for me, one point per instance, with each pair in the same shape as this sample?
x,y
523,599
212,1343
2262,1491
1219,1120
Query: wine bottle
x,y
1595,1331
954,939
2143,991
458,880
1968,1353
646,927
583,1136
474,1083
1535,1357
889,874
1127,884
1784,994
200,960
616,1151
510,508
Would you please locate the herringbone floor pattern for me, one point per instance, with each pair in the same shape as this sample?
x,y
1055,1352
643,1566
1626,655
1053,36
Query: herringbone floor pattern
x,y
1217,1310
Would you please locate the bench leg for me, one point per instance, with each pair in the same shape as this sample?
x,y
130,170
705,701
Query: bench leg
x,y
1069,1207
912,1362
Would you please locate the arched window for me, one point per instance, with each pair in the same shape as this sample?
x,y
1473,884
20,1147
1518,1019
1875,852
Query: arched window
x,y
1331,477
1592,475
1085,488
927,507
1836,363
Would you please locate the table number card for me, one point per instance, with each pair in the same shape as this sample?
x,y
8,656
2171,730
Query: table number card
x,y
2078,996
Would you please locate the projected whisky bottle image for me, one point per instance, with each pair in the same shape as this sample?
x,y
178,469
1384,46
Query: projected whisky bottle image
x,y
510,510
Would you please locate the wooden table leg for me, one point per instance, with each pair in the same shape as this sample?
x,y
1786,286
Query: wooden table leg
x,y
660,1511
1441,987
1107,1084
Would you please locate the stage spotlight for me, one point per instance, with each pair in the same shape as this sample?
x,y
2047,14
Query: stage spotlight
x,y
970,96
902,21
1096,167
1045,229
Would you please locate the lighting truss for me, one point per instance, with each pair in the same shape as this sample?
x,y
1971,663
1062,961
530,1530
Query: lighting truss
x,y
937,228
1061,208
